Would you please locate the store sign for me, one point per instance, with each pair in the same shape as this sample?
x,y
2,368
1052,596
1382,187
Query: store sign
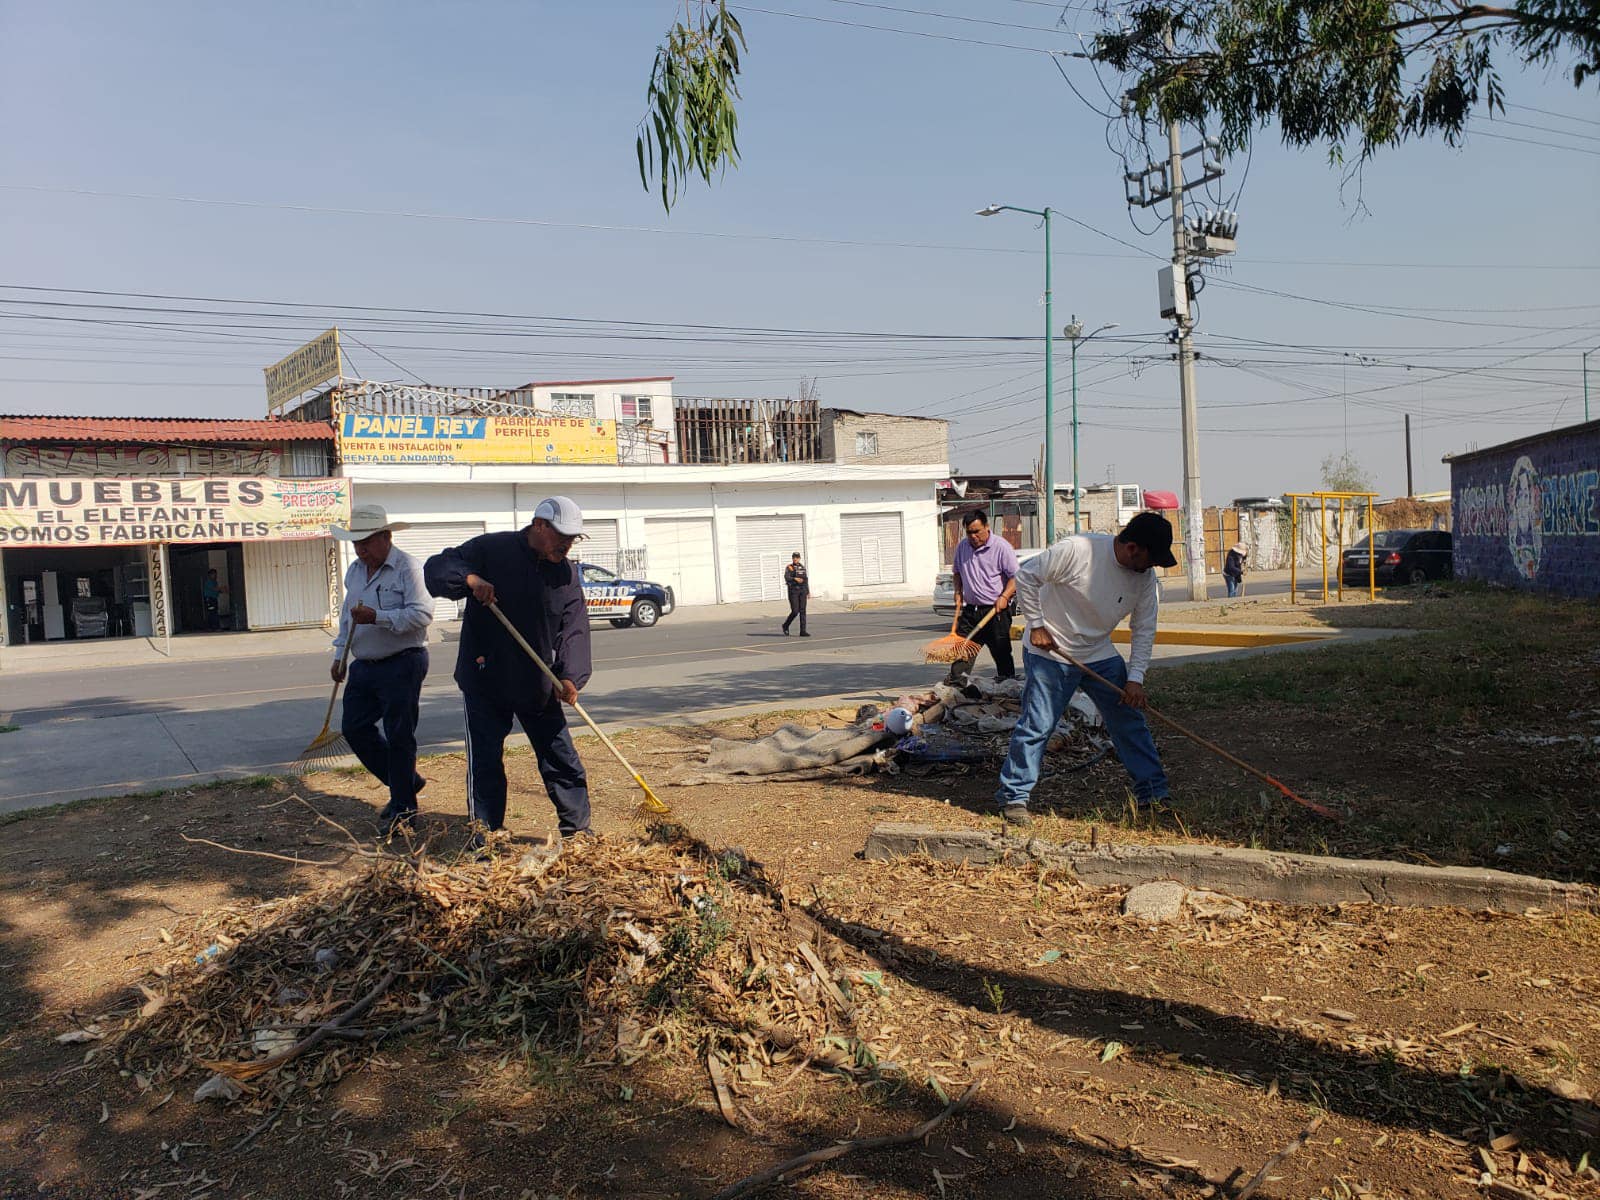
x,y
314,363
373,438
127,512
44,462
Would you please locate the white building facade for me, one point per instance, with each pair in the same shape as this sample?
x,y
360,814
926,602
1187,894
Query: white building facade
x,y
707,497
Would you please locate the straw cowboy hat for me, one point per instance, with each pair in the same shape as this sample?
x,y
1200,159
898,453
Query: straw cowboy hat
x,y
366,520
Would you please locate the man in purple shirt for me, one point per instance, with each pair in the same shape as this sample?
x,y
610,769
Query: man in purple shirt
x,y
986,577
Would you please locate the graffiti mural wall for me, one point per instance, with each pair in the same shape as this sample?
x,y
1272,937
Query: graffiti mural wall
x,y
1528,513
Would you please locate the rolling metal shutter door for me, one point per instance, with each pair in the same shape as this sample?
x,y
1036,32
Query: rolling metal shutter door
x,y
874,548
765,544
422,542
682,554
286,583
599,545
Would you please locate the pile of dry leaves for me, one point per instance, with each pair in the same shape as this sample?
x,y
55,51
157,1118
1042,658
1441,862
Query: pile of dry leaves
x,y
610,951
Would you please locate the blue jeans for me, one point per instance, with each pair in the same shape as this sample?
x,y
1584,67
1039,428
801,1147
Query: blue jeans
x,y
1233,584
1048,688
387,690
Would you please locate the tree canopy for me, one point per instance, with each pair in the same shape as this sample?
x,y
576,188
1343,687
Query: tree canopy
x,y
1344,473
1344,73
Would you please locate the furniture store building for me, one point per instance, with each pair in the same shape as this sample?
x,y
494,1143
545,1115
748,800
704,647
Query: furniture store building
x,y
113,527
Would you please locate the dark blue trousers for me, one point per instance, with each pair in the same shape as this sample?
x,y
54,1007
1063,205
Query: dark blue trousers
x,y
488,722
387,690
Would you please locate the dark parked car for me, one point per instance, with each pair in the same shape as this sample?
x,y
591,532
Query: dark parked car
x,y
1403,556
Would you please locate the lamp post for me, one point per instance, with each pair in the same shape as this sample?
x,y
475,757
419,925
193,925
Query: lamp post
x,y
1049,370
1075,333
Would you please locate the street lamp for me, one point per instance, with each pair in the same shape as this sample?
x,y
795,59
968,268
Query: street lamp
x,y
1049,369
1075,333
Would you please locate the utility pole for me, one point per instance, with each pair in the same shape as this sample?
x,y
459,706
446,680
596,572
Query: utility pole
x,y
1194,533
1586,354
1212,236
1411,492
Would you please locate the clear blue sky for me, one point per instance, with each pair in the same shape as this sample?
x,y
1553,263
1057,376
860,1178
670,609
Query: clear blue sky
x,y
526,112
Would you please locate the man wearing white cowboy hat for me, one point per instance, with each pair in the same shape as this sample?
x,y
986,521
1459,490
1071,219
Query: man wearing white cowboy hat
x,y
386,611
527,576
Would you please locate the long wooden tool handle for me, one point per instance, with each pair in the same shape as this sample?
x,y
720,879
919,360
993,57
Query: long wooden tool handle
x,y
659,805
344,657
989,616
1319,809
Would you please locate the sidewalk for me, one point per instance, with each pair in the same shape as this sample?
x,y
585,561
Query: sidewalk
x,y
228,647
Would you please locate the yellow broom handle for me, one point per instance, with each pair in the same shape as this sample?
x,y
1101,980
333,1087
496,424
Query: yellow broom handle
x,y
588,720
987,618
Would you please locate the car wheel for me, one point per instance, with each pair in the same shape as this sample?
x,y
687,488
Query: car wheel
x,y
645,613
1418,576
621,622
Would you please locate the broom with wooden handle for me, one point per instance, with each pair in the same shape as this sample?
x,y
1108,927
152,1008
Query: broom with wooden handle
x,y
651,803
328,749
1319,809
953,647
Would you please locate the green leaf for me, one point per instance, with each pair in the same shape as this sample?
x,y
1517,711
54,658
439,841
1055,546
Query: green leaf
x,y
1050,956
1112,1049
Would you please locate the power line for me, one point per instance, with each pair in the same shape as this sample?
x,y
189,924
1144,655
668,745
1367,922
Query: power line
x,y
923,12
724,235
940,37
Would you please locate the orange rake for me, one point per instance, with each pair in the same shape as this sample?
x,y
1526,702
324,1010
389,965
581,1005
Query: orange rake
x,y
953,647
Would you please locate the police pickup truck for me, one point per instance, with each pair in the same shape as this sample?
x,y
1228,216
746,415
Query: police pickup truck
x,y
623,602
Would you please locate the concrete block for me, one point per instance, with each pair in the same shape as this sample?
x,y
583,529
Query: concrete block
x,y
1155,903
1253,874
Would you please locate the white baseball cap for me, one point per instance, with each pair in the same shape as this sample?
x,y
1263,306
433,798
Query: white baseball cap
x,y
563,514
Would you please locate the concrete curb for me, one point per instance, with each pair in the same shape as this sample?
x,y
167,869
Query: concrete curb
x,y
1304,879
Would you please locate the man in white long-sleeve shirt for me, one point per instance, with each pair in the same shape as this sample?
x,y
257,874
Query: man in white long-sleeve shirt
x,y
1072,597
385,619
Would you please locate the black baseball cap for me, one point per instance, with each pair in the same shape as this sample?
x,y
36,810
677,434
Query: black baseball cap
x,y
1154,533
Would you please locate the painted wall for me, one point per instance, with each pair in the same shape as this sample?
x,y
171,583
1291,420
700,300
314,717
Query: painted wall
x,y
806,492
899,440
1527,514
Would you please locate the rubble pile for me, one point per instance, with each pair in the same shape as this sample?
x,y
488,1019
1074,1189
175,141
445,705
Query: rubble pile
x,y
611,950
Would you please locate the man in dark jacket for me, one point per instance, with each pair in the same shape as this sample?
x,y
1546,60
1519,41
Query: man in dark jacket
x,y
798,584
527,575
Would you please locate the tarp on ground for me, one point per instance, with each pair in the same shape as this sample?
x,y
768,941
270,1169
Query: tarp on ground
x,y
789,748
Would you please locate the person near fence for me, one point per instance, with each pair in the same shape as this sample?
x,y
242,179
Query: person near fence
x,y
985,570
1072,597
527,574
1233,568
798,584
385,620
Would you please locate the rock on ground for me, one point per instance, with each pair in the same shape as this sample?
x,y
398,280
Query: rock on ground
x,y
1158,903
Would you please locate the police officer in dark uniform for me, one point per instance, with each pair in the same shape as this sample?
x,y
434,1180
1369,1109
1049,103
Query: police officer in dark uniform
x,y
799,586
527,574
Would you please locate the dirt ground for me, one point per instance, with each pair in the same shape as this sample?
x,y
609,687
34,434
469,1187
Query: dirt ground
x,y
1440,1050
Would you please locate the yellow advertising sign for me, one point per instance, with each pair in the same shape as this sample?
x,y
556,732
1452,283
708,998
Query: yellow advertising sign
x,y
375,438
316,362
127,512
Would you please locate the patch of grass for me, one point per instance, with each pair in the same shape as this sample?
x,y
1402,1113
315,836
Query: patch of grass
x,y
9,728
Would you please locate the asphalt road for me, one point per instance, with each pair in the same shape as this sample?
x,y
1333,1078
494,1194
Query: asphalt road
x,y
89,732
107,731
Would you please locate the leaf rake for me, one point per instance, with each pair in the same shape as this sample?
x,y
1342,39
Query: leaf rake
x,y
328,749
953,647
